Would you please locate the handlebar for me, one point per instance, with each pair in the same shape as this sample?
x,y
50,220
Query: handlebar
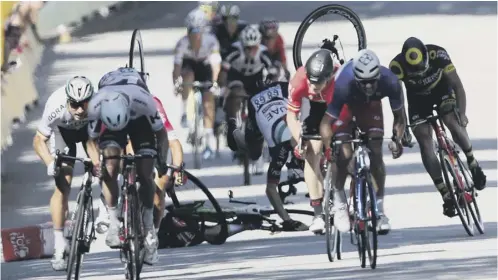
x,y
199,85
311,137
61,156
130,157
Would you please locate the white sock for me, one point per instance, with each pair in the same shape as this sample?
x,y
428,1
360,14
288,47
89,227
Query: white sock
x,y
380,205
113,215
59,239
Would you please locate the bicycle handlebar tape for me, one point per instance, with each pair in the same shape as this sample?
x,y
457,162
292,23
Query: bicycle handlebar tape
x,y
30,242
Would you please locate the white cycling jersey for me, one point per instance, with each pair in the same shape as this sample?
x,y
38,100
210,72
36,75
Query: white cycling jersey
x,y
141,104
270,106
122,76
247,66
56,115
209,50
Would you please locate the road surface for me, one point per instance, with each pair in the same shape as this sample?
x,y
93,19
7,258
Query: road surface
x,y
423,244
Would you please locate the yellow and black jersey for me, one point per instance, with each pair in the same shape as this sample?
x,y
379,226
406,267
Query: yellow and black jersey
x,y
439,63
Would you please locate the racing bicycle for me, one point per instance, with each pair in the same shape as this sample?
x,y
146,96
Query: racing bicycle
x,y
82,220
460,186
132,236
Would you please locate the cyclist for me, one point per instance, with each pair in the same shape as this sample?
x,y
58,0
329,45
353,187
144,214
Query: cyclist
x,y
314,82
197,58
125,106
431,80
275,43
270,107
228,30
65,121
210,9
360,85
161,183
243,74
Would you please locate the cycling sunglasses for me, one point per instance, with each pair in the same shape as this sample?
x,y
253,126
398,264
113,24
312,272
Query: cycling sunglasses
x,y
77,105
194,30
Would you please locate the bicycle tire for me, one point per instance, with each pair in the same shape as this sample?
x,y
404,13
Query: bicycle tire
x,y
290,211
473,207
136,37
316,14
446,168
372,248
75,255
134,256
364,228
219,216
195,136
333,237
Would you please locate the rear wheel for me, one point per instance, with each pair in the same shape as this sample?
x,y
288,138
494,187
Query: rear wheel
x,y
371,235
320,12
471,191
194,206
136,39
136,236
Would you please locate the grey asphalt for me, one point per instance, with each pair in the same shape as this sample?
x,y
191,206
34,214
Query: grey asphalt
x,y
423,243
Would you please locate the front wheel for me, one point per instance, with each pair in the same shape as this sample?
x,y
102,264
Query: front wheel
x,y
76,253
333,236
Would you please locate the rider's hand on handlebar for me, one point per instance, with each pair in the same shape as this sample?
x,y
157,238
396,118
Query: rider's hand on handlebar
x,y
178,88
180,178
396,147
215,89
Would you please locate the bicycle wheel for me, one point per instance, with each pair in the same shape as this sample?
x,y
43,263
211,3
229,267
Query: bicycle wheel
x,y
318,13
371,244
189,206
333,236
448,165
195,136
361,226
469,188
75,253
135,236
136,37
246,162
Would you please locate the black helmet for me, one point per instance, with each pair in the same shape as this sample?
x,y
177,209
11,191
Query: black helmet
x,y
416,57
320,66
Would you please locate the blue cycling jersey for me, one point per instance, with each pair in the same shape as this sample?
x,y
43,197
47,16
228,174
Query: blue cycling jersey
x,y
347,91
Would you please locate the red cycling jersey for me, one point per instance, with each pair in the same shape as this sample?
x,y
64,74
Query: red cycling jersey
x,y
278,48
299,89
162,113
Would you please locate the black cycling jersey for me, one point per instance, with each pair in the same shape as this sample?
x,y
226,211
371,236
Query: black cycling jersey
x,y
226,41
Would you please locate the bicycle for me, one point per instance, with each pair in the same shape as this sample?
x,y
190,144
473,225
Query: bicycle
x,y
195,116
462,190
82,220
362,197
184,209
132,236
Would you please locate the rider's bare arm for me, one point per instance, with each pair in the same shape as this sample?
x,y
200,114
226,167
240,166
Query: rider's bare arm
x,y
397,102
178,60
215,60
176,152
457,86
41,148
293,108
326,129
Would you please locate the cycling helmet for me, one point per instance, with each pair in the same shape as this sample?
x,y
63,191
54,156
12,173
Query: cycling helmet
x,y
115,111
366,69
416,56
196,19
79,89
268,27
320,67
250,36
230,11
366,65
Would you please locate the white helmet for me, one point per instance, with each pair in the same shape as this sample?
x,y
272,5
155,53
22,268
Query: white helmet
x,y
79,89
115,111
230,11
366,65
196,19
250,36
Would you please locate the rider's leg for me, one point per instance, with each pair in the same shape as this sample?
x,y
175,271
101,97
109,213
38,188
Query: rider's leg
x,y
111,144
209,118
143,140
254,142
59,202
460,136
232,106
188,78
314,180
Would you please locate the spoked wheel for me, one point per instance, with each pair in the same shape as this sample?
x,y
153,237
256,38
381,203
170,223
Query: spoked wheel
x,y
190,204
133,247
320,12
461,198
77,240
371,241
136,39
471,191
246,162
333,236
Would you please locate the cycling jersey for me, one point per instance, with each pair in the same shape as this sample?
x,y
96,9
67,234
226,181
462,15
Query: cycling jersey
x,y
225,40
277,50
141,102
237,61
433,79
167,124
209,50
270,106
346,90
122,76
56,115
